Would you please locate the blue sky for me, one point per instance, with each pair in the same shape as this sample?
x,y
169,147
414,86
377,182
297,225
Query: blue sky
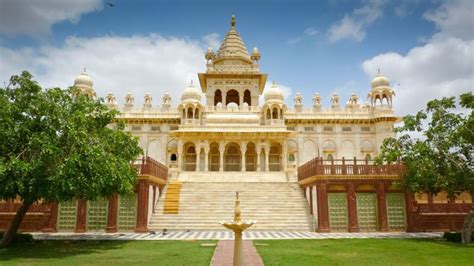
x,y
307,46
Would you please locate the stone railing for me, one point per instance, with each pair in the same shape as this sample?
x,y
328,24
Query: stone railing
x,y
443,207
150,166
319,167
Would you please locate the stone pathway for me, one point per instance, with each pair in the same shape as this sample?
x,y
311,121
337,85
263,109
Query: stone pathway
x,y
224,254
227,235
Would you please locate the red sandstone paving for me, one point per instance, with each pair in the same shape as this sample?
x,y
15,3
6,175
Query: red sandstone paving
x,y
224,254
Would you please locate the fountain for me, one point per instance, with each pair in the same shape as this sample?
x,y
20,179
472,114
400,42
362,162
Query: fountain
x,y
237,226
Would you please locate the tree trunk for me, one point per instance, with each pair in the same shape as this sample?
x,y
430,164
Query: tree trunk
x,y
467,227
15,224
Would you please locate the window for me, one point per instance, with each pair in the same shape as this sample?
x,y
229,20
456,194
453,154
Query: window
x,y
309,129
368,157
327,129
330,157
136,128
365,129
291,158
173,157
291,128
173,128
155,128
346,129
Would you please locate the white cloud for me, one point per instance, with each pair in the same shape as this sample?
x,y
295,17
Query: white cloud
x,y
442,67
311,31
352,26
141,64
35,18
307,33
212,40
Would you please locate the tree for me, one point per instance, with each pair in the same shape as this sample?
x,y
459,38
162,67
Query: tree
x,y
441,158
58,145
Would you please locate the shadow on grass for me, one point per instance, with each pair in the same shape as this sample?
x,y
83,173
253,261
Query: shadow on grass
x,y
41,249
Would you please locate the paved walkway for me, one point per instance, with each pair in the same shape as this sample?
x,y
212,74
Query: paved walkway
x,y
227,235
224,254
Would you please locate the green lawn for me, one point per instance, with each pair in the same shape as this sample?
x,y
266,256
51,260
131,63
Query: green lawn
x,y
108,253
364,252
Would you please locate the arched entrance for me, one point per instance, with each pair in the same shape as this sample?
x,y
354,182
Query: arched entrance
x,y
232,157
189,157
214,158
217,97
250,158
274,158
232,97
247,98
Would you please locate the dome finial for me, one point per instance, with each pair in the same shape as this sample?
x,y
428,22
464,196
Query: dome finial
x,y
232,22
192,81
378,71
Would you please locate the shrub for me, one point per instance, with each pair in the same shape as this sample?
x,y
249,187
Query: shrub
x,y
20,238
455,236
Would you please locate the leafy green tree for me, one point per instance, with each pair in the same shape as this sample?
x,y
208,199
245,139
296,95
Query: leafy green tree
x,y
441,157
58,145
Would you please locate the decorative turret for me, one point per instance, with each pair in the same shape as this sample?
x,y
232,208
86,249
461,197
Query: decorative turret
x,y
255,55
353,102
147,100
381,91
85,84
166,100
110,100
233,46
190,107
298,102
274,106
316,102
129,99
209,55
335,101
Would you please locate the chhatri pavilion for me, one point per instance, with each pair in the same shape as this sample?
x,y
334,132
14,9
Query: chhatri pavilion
x,y
296,168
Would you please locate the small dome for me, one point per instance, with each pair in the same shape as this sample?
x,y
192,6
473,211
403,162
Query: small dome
x,y
83,80
191,93
380,81
274,93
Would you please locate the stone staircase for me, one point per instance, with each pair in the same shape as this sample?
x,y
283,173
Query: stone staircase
x,y
171,200
202,205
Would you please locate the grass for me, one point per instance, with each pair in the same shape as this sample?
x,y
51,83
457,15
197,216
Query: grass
x,y
107,253
365,252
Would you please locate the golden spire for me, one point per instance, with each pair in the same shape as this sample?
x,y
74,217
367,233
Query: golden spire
x,y
232,22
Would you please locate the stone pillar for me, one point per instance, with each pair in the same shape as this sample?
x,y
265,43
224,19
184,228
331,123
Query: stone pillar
x,y
284,162
53,220
352,208
267,161
323,210
243,150
180,155
258,159
112,214
206,159
81,216
221,156
142,207
311,200
382,207
198,158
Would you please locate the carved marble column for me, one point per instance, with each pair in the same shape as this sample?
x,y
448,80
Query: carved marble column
x,y
221,156
267,161
180,155
284,162
352,208
198,158
382,208
243,150
258,159
206,159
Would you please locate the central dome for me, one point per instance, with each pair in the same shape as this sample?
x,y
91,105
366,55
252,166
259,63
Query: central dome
x,y
380,81
274,93
191,93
